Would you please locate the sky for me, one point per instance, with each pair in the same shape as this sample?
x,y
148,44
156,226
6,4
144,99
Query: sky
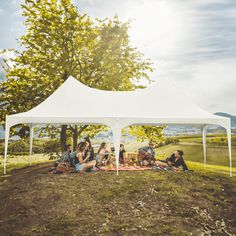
x,y
191,42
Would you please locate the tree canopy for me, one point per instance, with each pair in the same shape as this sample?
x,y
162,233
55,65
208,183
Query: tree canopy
x,y
145,133
60,41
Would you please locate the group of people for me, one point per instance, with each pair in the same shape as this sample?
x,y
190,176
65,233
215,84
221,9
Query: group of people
x,y
146,156
84,158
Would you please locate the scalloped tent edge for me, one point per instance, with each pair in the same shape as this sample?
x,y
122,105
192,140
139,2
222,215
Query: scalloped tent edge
x,y
164,105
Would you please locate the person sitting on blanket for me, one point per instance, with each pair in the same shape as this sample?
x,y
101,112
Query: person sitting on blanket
x,y
83,164
146,155
62,165
65,155
102,155
122,154
89,149
175,161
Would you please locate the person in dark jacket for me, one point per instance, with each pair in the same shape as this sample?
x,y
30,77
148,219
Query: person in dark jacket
x,y
175,161
122,154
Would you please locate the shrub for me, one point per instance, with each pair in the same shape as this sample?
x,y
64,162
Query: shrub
x,y
218,140
38,149
168,141
52,146
19,147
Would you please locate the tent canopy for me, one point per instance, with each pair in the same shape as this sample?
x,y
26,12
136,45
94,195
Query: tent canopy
x,y
159,103
76,103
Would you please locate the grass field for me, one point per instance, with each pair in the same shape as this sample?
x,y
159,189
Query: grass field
x,y
102,203
201,202
15,162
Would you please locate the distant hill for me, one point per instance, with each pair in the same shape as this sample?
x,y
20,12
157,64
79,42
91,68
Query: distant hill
x,y
233,118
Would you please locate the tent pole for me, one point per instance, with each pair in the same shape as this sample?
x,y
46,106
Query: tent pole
x,y
7,133
31,143
116,138
204,134
228,130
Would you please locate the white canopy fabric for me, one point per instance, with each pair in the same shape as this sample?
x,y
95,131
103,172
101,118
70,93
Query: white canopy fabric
x,y
76,103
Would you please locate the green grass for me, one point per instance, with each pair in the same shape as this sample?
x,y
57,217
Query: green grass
x,y
217,154
102,203
219,169
15,162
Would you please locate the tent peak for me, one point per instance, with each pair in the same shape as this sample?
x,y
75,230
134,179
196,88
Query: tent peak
x,y
75,82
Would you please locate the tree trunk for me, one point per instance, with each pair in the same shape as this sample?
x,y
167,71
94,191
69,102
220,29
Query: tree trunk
x,y
63,137
76,134
75,137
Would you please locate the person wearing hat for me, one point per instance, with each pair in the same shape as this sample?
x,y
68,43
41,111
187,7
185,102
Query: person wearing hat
x,y
146,155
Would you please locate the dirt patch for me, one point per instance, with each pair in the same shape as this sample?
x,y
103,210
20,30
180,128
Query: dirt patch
x,y
101,203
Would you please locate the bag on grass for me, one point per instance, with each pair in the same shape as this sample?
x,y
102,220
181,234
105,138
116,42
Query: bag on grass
x,y
62,167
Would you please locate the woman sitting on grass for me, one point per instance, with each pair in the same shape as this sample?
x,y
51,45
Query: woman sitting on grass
x,y
83,163
102,155
176,161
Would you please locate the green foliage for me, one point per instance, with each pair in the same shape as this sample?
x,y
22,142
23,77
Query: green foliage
x,y
54,131
52,146
92,130
218,140
19,147
51,131
58,42
168,141
145,133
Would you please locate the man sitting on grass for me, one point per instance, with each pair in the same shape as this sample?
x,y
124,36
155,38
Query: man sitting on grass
x,y
146,155
175,161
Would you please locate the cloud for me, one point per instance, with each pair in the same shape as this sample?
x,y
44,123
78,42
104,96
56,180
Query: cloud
x,y
210,84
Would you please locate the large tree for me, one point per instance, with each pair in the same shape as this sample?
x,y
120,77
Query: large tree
x,y
60,41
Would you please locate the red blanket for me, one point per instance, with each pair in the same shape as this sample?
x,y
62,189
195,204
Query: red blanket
x,y
107,168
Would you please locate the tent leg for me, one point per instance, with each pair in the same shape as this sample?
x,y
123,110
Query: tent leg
x,y
228,130
7,133
31,143
204,134
117,137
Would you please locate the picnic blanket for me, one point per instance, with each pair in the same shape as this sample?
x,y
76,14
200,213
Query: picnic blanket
x,y
107,168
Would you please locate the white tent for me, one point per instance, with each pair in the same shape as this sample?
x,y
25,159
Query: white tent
x,y
75,103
